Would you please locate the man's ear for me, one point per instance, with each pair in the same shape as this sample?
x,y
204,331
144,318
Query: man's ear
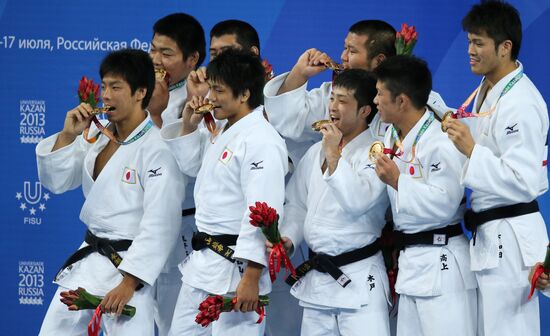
x,y
365,111
192,60
377,60
255,50
505,48
140,93
245,96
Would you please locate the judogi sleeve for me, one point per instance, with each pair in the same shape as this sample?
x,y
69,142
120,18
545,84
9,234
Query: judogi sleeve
x,y
159,227
514,173
356,188
260,185
296,200
437,104
435,197
293,112
187,149
61,170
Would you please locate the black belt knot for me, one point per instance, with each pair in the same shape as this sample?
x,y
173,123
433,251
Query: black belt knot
x,y
330,264
106,247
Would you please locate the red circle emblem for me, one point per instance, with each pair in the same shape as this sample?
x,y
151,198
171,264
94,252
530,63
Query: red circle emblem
x,y
224,155
411,170
128,176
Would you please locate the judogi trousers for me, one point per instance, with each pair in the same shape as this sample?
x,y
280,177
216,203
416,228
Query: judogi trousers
x,y
503,306
60,321
453,313
370,319
285,314
169,283
229,323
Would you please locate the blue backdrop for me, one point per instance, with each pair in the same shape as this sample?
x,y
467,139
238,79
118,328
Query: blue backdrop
x,y
46,47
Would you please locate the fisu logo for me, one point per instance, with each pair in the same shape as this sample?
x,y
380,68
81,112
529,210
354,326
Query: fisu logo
x,y
33,200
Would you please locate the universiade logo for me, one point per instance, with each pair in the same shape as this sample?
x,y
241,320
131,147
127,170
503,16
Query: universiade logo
x,y
32,202
31,282
33,121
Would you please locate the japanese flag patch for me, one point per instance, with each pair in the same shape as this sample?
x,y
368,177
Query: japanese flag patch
x,y
226,156
129,175
414,170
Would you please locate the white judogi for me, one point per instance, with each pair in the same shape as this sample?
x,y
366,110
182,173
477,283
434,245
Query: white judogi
x,y
243,164
506,167
293,112
136,196
434,282
169,280
176,102
335,214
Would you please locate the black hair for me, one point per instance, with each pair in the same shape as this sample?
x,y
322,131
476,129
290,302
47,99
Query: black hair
x,y
186,31
499,20
363,83
135,67
381,37
240,70
245,34
407,75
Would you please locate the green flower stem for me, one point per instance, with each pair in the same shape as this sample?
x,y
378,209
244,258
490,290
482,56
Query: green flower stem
x,y
90,301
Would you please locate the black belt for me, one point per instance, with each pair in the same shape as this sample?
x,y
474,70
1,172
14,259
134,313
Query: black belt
x,y
219,243
187,212
474,219
105,247
330,264
433,237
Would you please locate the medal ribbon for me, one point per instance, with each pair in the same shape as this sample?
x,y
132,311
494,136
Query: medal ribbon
x,y
211,126
95,323
176,85
399,145
110,135
461,112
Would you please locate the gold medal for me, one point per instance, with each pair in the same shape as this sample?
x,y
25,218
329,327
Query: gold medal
x,y
204,108
316,126
334,66
375,150
446,117
104,109
160,74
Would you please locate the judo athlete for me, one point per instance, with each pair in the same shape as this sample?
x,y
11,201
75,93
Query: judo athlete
x,y
336,203
133,190
241,162
178,47
506,151
437,289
